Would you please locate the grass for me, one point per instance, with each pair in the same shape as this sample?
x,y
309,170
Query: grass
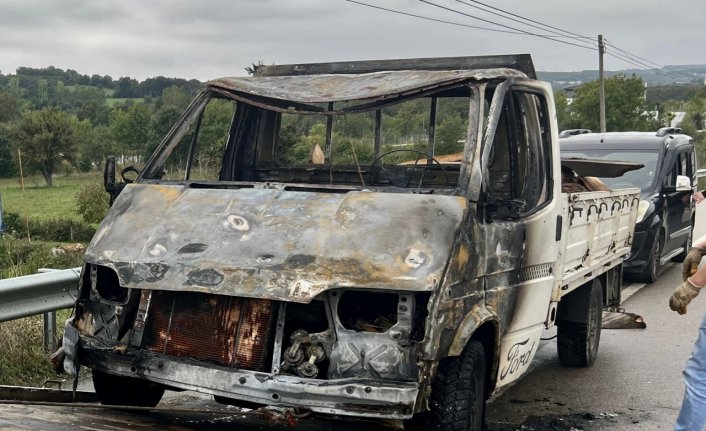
x,y
41,202
23,360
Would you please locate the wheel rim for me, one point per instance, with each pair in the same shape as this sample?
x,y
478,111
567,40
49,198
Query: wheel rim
x,y
656,256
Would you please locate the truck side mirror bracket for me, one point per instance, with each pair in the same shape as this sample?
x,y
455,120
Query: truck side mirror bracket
x,y
111,186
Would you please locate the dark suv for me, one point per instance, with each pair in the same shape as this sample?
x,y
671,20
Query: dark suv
x,y
667,181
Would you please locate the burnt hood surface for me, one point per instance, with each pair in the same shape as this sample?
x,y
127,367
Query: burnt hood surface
x,y
275,244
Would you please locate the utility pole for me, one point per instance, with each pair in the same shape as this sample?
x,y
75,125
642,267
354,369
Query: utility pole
x,y
601,79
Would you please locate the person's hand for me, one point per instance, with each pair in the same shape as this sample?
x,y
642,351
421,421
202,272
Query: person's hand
x,y
691,262
683,295
698,197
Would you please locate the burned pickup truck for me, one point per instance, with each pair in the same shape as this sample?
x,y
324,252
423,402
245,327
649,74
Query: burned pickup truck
x,y
382,239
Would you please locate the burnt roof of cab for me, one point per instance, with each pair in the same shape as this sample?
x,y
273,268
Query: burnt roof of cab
x,y
338,88
376,79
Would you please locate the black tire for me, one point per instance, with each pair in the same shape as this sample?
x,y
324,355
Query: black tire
x,y
653,267
687,246
126,391
577,343
458,393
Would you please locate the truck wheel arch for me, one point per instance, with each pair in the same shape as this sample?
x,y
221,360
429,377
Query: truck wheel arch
x,y
481,327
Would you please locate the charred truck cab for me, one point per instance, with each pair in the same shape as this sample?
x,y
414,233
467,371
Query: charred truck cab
x,y
358,239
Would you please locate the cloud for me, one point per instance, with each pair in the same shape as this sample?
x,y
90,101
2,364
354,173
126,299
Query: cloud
x,y
220,37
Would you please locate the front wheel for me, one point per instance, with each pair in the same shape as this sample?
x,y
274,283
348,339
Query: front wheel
x,y
653,267
126,391
458,394
577,342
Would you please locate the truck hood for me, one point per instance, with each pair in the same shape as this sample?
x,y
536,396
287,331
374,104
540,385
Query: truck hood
x,y
275,244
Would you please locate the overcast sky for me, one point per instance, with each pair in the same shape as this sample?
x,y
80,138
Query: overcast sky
x,y
212,38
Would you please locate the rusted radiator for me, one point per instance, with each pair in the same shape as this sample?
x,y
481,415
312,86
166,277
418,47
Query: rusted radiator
x,y
230,331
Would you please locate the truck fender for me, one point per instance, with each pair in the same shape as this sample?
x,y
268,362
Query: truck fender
x,y
476,317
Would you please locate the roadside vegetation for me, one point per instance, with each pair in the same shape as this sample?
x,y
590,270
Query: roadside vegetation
x,y
66,214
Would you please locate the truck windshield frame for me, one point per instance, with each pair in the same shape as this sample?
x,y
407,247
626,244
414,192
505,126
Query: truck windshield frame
x,y
345,143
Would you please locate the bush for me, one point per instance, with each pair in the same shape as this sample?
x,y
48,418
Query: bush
x,y
21,257
92,202
58,229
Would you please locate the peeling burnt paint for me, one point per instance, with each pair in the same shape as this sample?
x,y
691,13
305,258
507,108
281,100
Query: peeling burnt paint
x,y
205,277
281,245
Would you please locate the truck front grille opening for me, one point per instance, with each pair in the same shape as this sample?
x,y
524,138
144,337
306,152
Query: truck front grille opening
x,y
107,284
225,330
364,311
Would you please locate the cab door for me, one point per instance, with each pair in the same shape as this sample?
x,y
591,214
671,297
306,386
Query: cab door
x,y
520,208
679,205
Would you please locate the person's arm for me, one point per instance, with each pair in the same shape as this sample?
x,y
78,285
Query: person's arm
x,y
694,279
693,258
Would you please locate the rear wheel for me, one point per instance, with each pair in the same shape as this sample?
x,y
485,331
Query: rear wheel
x,y
577,342
457,400
126,391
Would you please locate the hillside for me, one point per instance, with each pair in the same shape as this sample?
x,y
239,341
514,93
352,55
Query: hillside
x,y
676,74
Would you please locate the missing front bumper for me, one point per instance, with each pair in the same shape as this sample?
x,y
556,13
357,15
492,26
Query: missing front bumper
x,y
346,397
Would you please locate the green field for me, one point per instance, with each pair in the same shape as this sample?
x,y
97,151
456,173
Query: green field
x,y
41,202
114,101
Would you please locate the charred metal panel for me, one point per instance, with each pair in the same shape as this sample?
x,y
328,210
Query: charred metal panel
x,y
343,87
371,350
275,244
225,330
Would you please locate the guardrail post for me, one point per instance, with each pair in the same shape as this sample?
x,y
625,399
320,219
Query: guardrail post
x,y
50,331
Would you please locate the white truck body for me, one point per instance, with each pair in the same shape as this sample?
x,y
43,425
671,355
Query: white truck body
x,y
326,271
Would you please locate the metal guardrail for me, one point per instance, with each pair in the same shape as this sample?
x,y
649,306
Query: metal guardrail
x,y
38,293
43,293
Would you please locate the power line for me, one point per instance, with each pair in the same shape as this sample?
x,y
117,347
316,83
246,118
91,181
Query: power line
x,y
434,19
506,26
622,54
523,20
633,56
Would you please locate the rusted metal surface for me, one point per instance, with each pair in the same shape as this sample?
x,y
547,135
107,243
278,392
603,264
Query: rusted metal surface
x,y
225,330
337,88
274,244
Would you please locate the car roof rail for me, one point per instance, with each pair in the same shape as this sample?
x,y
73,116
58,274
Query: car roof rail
x,y
572,132
664,131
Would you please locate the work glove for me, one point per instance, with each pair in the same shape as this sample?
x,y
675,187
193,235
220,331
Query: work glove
x,y
683,295
691,262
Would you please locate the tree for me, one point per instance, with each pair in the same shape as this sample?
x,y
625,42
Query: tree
x,y
8,107
8,167
625,105
694,121
563,112
47,138
131,130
